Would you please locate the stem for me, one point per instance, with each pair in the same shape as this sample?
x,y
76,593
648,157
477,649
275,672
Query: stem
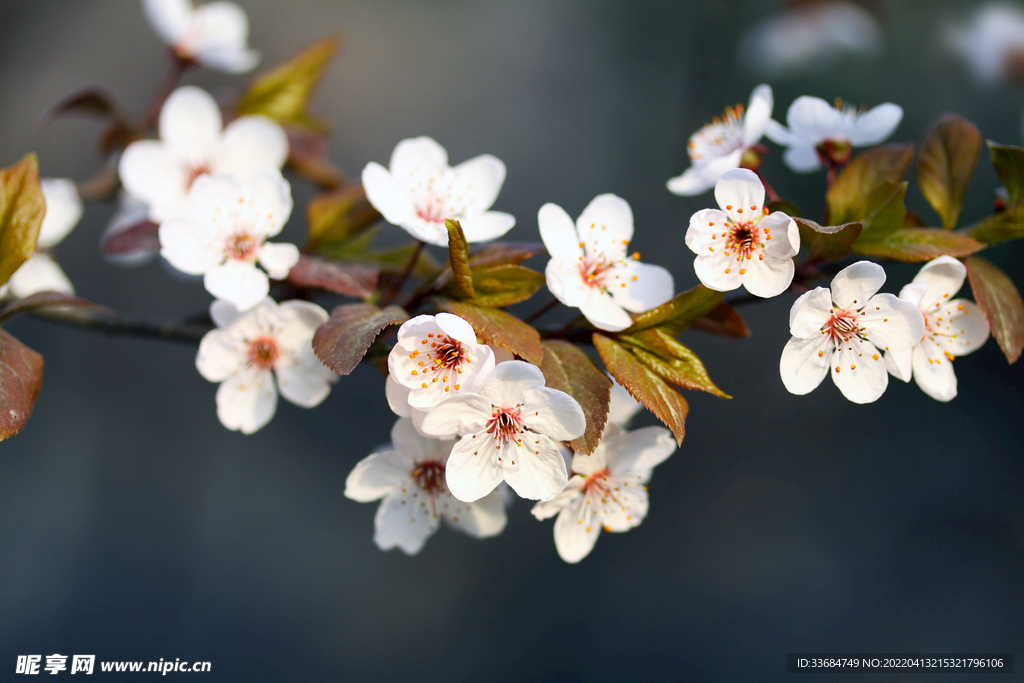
x,y
115,324
395,290
541,311
178,68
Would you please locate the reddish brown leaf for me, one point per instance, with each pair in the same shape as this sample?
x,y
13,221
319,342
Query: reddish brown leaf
x,y
679,312
21,376
914,245
350,279
499,328
342,341
663,354
141,238
569,369
998,297
863,185
946,163
723,320
503,253
45,300
644,385
338,216
831,242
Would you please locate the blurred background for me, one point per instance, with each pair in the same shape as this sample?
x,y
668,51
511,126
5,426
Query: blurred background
x,y
134,526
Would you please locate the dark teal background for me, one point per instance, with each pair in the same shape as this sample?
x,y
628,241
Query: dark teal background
x,y
133,526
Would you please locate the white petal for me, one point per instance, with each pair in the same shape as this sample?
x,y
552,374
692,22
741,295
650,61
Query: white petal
x,y
602,311
386,195
964,325
535,470
218,35
39,273
769,277
378,475
306,383
740,189
507,384
482,519
552,506
717,271
415,155
914,292
221,354
487,226
810,312
691,183
898,363
247,401
456,328
398,397
805,362
576,532
224,313
401,522
169,18
230,59
802,158
944,277
854,285
759,113
154,174
473,469
271,203
243,284
558,233
459,414
607,219
187,247
553,412
479,182
63,210
190,123
876,125
249,145
861,374
647,286
641,450
779,134
705,226
934,374
813,119
278,258
785,235
891,323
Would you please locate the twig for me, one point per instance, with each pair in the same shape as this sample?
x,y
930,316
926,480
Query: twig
x,y
397,288
541,311
122,325
178,68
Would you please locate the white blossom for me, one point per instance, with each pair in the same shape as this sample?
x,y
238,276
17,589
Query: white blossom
x,y
193,142
408,478
843,332
819,131
249,349
719,146
991,42
607,490
436,356
510,433
742,244
952,328
40,273
590,267
214,34
223,236
419,190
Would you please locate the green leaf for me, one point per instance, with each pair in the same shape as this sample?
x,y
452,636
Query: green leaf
x,y
21,213
1009,163
350,279
501,286
283,93
21,376
913,245
854,196
999,299
498,327
644,385
679,312
723,320
569,369
342,341
458,256
659,350
890,214
338,216
46,300
828,242
1002,227
946,163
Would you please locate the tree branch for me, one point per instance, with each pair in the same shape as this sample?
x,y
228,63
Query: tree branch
x,y
120,325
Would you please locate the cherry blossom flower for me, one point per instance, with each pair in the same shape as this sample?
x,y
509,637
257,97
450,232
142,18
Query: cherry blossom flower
x,y
607,489
40,273
742,244
590,268
951,329
991,42
809,37
511,429
213,34
408,478
721,145
223,236
845,330
436,356
420,190
820,133
249,349
192,144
